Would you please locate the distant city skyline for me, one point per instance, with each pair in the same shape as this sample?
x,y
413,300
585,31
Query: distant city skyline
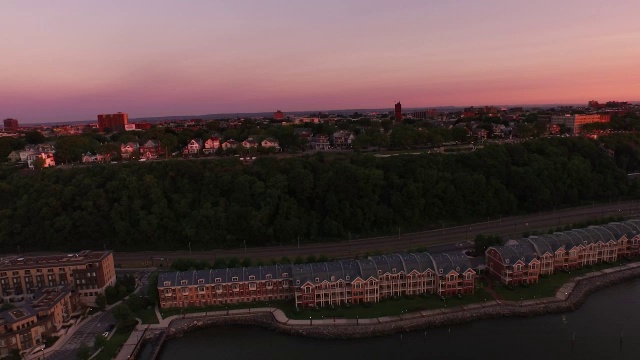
x,y
71,60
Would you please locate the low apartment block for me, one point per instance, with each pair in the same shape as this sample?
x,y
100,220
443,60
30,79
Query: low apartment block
x,y
87,273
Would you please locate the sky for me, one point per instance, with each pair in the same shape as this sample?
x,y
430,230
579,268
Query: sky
x,y
69,60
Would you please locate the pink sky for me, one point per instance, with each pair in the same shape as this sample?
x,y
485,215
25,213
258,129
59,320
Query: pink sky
x,y
71,60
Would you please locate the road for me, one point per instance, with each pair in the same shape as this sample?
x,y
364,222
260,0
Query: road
x,y
85,334
444,239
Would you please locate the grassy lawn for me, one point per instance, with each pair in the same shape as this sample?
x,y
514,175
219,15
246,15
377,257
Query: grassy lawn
x,y
148,316
388,307
546,287
112,346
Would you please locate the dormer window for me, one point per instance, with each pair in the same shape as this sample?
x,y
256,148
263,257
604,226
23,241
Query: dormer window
x,y
268,276
252,277
440,271
183,282
297,282
218,280
167,283
235,278
200,281
317,280
379,272
393,270
284,275
457,269
347,277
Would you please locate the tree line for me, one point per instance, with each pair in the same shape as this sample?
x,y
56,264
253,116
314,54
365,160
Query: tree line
x,y
210,204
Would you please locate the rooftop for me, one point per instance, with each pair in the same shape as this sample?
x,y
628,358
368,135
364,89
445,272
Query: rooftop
x,y
27,262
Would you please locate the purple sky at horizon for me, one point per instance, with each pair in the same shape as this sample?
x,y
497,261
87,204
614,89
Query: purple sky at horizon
x,y
70,60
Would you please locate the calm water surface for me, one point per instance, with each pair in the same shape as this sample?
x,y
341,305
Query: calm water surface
x,y
598,326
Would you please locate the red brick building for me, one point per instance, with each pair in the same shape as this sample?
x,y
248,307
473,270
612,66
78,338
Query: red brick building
x,y
398,111
322,284
10,124
278,115
524,260
112,122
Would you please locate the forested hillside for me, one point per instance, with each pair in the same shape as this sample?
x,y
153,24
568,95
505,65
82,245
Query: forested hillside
x,y
221,203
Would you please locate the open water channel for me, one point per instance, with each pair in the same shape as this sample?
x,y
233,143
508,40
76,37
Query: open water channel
x,y
607,326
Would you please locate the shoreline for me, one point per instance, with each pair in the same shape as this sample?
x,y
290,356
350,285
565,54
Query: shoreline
x,y
569,297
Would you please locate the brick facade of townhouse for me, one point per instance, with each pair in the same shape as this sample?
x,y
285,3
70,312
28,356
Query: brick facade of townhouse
x,y
524,260
321,284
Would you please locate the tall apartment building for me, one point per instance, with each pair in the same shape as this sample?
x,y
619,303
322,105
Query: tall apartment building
x,y
278,115
398,111
87,273
10,124
575,122
113,122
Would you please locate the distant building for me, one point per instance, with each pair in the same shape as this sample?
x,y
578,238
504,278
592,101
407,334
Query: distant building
x,y
10,124
425,114
278,115
398,111
575,122
127,150
112,122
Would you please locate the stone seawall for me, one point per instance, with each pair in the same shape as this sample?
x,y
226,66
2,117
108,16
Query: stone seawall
x,y
436,318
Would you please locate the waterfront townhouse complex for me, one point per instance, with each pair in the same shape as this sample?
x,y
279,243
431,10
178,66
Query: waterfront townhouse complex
x,y
322,284
26,326
87,273
525,260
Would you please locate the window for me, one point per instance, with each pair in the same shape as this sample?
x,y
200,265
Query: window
x,y
284,275
333,278
185,290
317,280
440,271
235,278
297,282
379,272
269,284
218,280
200,281
252,286
268,276
252,277
393,270
183,282
347,277
468,275
201,289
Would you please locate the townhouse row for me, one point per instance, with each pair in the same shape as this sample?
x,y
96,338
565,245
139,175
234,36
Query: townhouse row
x,y
525,260
322,284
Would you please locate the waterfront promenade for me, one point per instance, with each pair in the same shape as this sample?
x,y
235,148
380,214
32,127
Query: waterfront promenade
x,y
567,297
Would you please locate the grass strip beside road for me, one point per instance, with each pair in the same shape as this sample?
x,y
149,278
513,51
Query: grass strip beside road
x,y
147,315
110,349
387,307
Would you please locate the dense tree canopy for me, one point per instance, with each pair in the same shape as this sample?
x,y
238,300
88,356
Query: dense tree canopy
x,y
221,203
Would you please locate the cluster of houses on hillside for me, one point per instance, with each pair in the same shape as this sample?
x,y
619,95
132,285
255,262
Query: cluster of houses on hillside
x,y
214,143
379,277
31,153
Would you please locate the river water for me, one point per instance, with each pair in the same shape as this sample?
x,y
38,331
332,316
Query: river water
x,y
607,326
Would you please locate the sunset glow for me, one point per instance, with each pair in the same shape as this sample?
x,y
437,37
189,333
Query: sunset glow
x,y
71,60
